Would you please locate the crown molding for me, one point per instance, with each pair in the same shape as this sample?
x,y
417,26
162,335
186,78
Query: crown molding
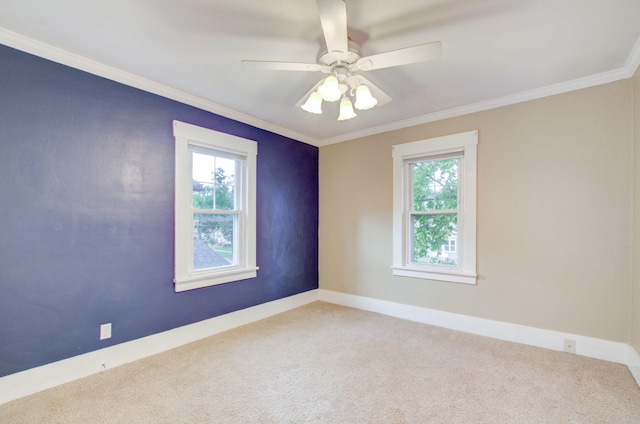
x,y
629,69
76,61
64,57
485,105
633,61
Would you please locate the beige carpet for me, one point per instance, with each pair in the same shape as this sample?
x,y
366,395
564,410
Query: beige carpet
x,y
329,364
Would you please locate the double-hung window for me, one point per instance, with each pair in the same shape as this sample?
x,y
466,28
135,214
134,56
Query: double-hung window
x,y
434,210
215,218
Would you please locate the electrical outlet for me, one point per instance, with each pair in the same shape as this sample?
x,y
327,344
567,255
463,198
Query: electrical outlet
x,y
569,346
105,331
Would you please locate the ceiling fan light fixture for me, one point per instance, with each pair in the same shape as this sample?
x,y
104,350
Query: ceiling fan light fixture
x,y
341,60
313,103
346,110
330,89
364,99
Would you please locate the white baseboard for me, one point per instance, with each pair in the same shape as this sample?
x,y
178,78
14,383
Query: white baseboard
x,y
31,381
34,380
585,346
634,364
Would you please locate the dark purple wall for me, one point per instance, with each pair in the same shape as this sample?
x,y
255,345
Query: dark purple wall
x,y
86,214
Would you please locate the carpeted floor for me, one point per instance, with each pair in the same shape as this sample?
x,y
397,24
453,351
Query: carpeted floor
x,y
324,363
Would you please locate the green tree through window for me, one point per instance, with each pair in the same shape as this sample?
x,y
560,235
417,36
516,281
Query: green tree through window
x,y
214,199
434,212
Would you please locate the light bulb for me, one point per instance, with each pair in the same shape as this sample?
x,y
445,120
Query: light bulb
x,y
330,89
313,103
364,99
346,110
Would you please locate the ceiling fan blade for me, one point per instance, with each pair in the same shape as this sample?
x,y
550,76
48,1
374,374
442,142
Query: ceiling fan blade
x,y
282,66
333,17
382,97
406,56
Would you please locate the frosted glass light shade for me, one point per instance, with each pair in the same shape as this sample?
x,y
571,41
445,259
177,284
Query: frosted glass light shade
x,y
364,99
313,103
330,89
346,110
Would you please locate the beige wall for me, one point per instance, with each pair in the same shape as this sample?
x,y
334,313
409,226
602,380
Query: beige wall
x,y
635,317
554,215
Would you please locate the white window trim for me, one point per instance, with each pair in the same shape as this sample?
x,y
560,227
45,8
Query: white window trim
x,y
185,278
465,272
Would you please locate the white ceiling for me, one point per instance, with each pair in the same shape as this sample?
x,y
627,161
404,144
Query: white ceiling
x,y
495,52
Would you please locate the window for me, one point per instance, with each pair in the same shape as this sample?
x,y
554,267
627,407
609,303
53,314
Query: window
x,y
450,245
434,208
215,213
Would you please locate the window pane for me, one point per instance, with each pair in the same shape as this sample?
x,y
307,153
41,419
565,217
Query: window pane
x,y
213,241
203,166
431,234
202,195
435,185
214,182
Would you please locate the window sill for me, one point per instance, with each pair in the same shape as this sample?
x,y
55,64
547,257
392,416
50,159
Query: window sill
x,y
438,275
199,281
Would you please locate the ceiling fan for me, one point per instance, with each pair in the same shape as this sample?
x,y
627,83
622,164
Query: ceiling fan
x,y
341,58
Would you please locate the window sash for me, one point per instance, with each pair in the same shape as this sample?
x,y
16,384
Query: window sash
x,y
411,213
409,171
237,212
411,245
239,171
236,246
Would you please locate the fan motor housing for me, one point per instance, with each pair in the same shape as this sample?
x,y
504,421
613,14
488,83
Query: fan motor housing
x,y
330,58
